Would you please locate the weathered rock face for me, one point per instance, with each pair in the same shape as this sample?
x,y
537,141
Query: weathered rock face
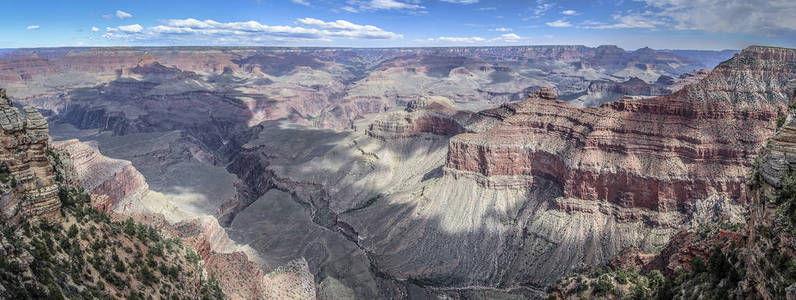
x,y
435,115
117,180
602,91
29,189
661,153
726,258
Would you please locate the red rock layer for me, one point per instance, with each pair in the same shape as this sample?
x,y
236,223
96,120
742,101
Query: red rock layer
x,y
109,180
656,153
404,125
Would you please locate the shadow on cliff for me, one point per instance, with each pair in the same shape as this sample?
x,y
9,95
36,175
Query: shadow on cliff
x,y
380,238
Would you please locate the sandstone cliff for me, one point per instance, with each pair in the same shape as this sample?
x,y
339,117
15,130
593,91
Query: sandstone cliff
x,y
112,182
662,153
29,190
724,259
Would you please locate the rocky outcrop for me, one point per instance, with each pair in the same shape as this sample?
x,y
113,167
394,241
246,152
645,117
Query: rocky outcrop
x,y
112,182
435,115
662,153
602,91
29,188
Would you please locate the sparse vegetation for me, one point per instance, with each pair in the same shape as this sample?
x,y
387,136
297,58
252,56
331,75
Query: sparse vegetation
x,y
781,121
97,253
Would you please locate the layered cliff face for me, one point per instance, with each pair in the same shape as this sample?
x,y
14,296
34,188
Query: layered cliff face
x,y
29,190
602,91
752,258
114,183
436,115
661,154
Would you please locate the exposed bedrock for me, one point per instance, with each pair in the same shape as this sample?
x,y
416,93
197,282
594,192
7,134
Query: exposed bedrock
x,y
28,189
116,179
660,153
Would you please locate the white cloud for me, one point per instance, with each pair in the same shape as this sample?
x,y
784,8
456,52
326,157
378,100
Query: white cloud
x,y
94,29
123,15
504,38
501,29
542,7
569,12
385,5
470,40
627,21
192,30
764,17
349,9
343,27
32,27
461,1
510,36
559,23
487,8
302,2
135,28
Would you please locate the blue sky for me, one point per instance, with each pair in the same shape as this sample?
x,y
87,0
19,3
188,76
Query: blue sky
x,y
631,24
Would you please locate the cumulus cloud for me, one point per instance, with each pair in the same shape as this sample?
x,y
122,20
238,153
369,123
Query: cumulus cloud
x,y
501,29
32,27
94,29
135,28
123,15
559,23
626,21
569,12
764,17
347,29
193,30
302,2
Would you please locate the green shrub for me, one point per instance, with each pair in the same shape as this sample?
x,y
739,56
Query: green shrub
x,y
72,231
621,276
129,227
781,121
698,265
604,285
638,292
